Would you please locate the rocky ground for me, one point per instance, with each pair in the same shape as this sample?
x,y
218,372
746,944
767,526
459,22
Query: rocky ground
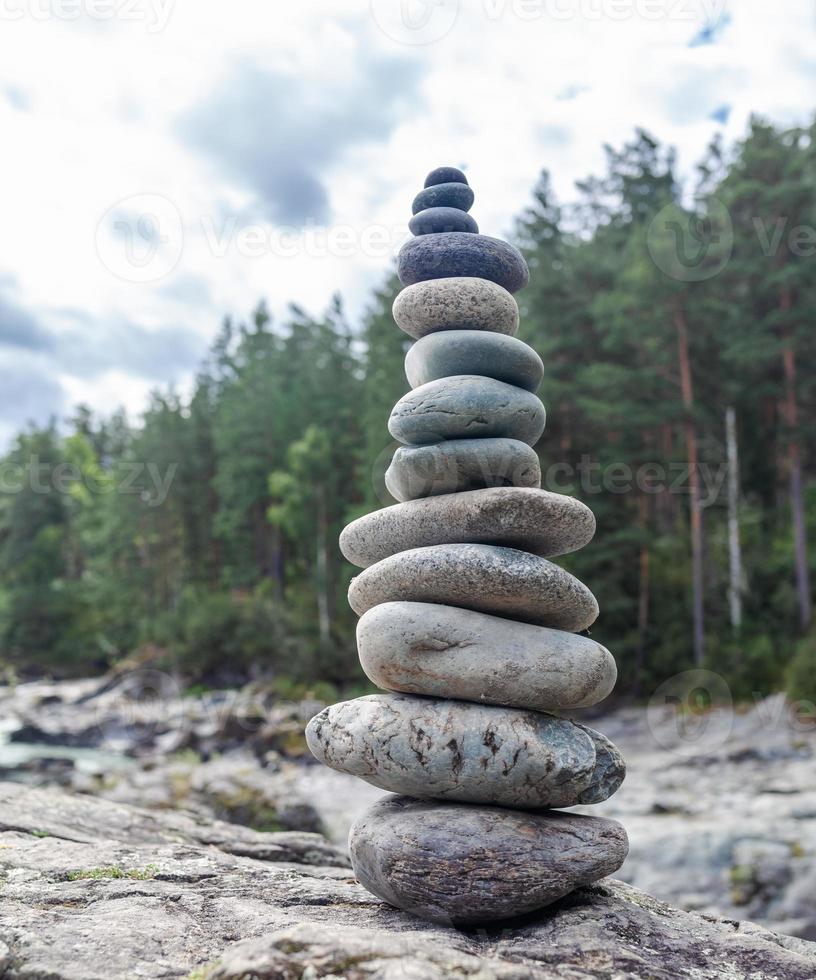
x,y
94,890
720,810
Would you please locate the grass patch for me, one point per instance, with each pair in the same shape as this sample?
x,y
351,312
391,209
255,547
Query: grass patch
x,y
97,874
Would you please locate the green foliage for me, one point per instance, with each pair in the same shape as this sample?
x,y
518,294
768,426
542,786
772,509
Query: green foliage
x,y
114,872
222,636
801,679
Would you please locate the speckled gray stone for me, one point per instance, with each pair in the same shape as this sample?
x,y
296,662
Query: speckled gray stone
x,y
467,407
500,581
465,865
454,750
456,253
433,220
459,303
461,464
451,195
490,355
445,652
445,175
537,521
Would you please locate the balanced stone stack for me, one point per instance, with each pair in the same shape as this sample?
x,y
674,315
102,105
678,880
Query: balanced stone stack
x,y
474,633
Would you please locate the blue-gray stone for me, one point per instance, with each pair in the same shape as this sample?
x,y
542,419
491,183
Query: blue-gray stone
x,y
491,579
457,253
467,407
455,750
481,352
444,196
431,221
461,464
445,175
462,865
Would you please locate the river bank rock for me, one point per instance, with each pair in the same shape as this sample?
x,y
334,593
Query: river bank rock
x,y
84,898
466,865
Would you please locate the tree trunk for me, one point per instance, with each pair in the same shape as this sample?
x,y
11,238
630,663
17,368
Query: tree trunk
x,y
269,551
734,548
323,606
795,470
215,541
694,484
644,589
668,510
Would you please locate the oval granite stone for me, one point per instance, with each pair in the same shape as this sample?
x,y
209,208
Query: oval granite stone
x,y
445,652
467,407
525,518
433,220
456,253
500,581
464,865
445,175
452,195
461,303
461,464
490,355
454,750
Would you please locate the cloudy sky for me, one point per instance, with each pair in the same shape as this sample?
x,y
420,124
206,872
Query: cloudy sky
x,y
166,162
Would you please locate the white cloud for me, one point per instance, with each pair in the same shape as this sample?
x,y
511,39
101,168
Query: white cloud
x,y
92,113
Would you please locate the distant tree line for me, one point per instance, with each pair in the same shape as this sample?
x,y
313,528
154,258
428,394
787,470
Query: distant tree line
x,y
677,331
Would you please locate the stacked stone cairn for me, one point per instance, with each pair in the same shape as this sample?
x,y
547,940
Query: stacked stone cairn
x,y
476,636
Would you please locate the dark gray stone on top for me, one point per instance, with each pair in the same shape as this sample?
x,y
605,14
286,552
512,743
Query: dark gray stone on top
x,y
453,195
481,352
445,175
431,221
456,253
461,464
464,865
